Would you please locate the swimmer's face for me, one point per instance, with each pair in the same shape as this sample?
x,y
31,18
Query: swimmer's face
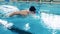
x,y
32,9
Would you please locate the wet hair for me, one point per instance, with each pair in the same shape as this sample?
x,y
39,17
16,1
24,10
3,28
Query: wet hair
x,y
32,9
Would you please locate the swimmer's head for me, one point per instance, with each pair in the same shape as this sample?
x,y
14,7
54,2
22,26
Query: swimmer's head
x,y
32,9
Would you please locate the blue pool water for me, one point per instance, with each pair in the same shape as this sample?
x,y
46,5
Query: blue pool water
x,y
34,22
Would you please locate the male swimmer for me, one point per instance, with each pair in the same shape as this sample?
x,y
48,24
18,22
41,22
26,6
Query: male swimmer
x,y
11,10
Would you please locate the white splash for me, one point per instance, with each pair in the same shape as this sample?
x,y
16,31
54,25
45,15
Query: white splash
x,y
6,24
27,26
8,9
51,21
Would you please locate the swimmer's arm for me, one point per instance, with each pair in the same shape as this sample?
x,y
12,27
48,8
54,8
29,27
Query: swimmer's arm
x,y
19,13
14,13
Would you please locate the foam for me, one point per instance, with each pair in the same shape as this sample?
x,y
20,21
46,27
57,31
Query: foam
x,y
51,21
6,24
27,26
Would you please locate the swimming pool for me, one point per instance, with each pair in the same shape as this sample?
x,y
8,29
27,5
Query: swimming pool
x,y
30,23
